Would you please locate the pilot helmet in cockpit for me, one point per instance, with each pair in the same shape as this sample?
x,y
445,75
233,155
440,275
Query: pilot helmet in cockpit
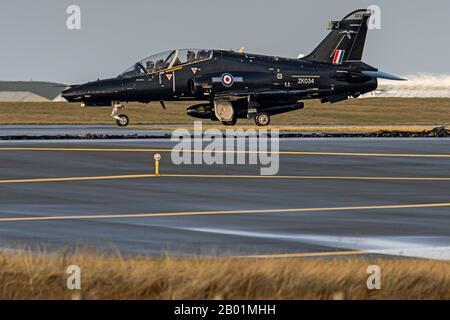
x,y
159,65
150,66
202,54
190,56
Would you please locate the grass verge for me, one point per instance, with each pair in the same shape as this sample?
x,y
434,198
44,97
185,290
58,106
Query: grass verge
x,y
303,128
357,111
25,276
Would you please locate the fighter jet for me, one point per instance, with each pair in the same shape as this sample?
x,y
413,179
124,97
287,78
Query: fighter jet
x,y
232,85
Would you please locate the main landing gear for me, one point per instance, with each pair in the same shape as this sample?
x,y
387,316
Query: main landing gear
x,y
122,120
262,119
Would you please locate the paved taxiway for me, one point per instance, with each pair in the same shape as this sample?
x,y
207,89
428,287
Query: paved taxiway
x,y
73,130
143,130
350,196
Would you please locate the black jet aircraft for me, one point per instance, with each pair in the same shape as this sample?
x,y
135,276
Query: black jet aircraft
x,y
233,85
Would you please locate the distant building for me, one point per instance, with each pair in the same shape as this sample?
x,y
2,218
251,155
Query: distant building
x,y
30,91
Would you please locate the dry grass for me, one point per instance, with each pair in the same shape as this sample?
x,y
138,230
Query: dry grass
x,y
356,111
23,276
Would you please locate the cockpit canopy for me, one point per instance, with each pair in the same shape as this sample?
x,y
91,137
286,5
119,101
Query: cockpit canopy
x,y
166,60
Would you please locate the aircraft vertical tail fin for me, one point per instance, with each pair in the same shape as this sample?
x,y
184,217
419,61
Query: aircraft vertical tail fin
x,y
346,40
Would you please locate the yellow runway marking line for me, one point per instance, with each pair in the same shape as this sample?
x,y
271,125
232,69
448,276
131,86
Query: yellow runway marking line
x,y
305,177
134,176
225,212
344,154
303,255
220,176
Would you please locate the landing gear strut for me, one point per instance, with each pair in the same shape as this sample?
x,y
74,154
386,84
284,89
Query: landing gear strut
x,y
122,120
262,119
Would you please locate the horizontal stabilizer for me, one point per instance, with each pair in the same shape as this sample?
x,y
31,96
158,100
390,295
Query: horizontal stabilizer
x,y
382,75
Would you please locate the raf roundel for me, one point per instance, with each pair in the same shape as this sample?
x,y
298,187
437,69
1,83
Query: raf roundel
x,y
227,80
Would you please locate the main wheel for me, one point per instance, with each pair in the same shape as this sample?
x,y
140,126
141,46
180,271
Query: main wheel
x,y
124,120
230,123
262,119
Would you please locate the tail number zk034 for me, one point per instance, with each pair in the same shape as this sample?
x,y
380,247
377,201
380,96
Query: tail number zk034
x,y
306,80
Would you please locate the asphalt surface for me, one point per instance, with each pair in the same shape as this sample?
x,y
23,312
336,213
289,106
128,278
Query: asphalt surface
x,y
362,196
55,130
133,130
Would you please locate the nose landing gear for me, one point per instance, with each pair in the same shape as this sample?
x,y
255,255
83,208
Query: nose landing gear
x,y
122,120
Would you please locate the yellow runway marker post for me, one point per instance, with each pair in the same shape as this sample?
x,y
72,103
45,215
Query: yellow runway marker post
x,y
157,157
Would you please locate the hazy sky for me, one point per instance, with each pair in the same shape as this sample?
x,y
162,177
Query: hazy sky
x,y
36,44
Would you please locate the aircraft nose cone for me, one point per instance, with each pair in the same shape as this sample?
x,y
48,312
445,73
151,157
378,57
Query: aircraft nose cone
x,y
66,93
70,93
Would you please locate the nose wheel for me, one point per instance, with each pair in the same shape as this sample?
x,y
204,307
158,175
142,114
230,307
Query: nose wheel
x,y
262,119
122,120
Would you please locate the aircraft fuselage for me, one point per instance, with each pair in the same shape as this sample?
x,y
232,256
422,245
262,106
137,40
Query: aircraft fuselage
x,y
202,80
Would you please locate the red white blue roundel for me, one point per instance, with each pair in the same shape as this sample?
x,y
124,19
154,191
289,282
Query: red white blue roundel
x,y
227,79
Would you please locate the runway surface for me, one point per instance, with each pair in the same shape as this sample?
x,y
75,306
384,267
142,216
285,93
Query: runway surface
x,y
55,130
331,197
